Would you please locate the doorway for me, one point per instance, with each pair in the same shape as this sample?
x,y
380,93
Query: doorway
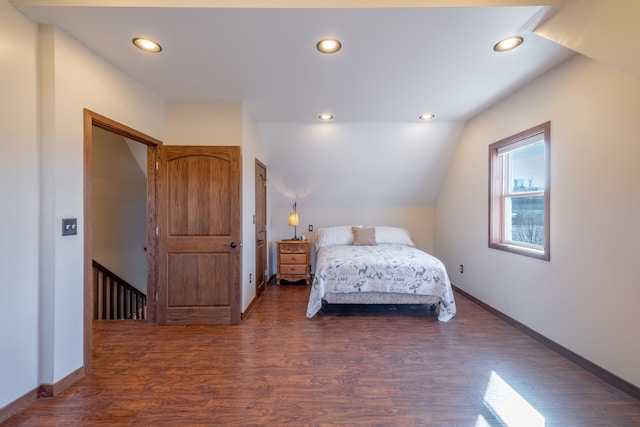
x,y
119,232
91,120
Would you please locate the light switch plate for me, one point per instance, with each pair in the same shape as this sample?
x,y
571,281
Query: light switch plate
x,y
69,226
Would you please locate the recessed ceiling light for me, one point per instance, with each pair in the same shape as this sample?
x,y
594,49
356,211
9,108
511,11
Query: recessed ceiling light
x,y
508,44
147,45
329,45
325,117
428,116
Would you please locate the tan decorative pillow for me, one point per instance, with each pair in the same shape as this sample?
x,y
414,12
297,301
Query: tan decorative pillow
x,y
364,236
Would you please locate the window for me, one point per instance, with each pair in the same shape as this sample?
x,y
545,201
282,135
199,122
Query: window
x,y
519,193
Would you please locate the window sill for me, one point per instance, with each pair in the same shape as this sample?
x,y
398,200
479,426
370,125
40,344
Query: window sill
x,y
521,250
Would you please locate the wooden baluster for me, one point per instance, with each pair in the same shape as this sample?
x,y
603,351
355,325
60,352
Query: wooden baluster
x,y
132,304
118,300
96,275
112,306
105,291
127,303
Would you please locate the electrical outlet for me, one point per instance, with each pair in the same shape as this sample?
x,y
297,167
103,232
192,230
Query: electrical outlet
x,y
310,227
250,277
461,268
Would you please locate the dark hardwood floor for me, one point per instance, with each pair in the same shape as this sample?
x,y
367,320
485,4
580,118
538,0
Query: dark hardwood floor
x,y
345,367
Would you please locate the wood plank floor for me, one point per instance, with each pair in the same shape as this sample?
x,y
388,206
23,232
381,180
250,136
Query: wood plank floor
x,y
375,367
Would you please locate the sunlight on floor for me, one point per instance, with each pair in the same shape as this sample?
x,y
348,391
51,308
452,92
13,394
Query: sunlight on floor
x,y
507,406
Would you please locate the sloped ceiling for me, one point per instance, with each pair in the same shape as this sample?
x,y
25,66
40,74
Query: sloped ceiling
x,y
606,31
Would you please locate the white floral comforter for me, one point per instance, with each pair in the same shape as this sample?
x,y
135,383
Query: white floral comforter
x,y
381,268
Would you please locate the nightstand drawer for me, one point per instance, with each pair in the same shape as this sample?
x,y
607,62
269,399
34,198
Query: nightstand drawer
x,y
293,269
293,259
292,248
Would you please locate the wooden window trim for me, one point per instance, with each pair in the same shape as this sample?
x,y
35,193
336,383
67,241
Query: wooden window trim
x,y
496,198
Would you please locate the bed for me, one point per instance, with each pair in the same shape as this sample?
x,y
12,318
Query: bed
x,y
377,265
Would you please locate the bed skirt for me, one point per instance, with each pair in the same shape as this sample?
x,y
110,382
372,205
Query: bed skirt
x,y
379,298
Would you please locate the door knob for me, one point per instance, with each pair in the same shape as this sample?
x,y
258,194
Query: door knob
x,y
233,244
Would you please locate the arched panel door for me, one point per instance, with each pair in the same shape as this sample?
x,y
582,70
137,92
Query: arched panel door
x,y
199,235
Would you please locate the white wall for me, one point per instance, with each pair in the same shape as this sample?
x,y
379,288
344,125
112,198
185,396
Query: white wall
x,y
204,123
19,189
585,298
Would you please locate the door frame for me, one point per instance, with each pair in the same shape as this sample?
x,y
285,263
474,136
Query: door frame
x,y
94,119
265,263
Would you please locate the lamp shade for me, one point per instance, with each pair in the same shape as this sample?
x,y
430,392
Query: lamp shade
x,y
293,218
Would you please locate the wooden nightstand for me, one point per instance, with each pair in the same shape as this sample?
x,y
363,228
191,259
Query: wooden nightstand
x,y
293,261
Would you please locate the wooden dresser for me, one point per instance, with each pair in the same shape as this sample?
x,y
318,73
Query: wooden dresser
x,y
293,261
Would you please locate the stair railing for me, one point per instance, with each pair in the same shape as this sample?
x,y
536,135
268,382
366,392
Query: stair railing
x,y
114,298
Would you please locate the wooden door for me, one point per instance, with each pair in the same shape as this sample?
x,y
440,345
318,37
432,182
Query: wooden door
x,y
261,227
199,221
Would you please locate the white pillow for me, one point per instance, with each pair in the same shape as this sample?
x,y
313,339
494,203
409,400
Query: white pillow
x,y
332,236
393,235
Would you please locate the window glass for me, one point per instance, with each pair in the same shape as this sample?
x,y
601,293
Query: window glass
x,y
528,168
524,194
527,221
